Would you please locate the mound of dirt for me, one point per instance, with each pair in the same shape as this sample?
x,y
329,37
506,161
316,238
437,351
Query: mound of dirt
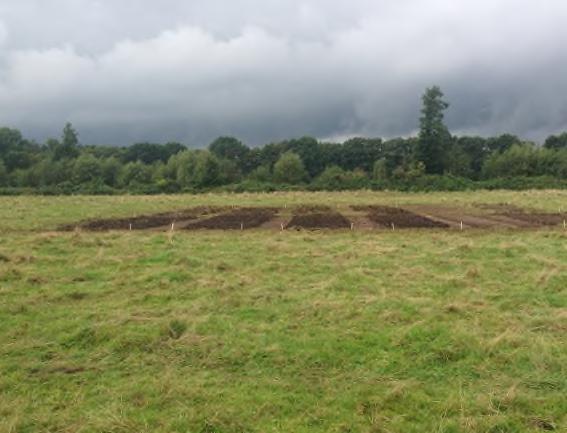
x,y
244,218
143,222
401,218
319,220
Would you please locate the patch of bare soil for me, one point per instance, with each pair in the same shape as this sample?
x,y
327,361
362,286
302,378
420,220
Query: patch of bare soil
x,y
489,216
311,209
453,216
143,222
319,220
385,216
524,218
237,219
536,219
499,207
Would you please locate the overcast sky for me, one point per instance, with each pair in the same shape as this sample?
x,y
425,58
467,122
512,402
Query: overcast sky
x,y
190,70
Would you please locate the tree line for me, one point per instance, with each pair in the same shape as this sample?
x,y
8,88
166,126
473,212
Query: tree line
x,y
434,159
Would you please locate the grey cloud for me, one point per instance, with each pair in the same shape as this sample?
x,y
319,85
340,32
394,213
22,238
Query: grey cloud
x,y
137,70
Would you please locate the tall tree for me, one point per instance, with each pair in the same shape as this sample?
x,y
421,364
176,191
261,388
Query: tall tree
x,y
434,136
68,146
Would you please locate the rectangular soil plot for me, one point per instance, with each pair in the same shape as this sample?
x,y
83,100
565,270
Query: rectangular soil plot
x,y
319,220
238,219
535,219
143,222
386,216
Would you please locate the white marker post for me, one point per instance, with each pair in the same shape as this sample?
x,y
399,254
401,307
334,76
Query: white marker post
x,y
393,227
461,226
241,226
352,226
130,226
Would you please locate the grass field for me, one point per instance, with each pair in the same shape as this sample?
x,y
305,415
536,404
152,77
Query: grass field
x,y
296,331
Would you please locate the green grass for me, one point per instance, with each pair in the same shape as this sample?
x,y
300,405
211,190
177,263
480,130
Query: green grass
x,y
259,331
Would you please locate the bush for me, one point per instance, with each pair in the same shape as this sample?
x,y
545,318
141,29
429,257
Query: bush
x,y
261,174
335,178
135,174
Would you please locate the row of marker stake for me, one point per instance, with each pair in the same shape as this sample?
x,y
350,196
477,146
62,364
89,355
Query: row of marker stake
x,y
351,226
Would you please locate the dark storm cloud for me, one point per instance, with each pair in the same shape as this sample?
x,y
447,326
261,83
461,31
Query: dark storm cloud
x,y
265,70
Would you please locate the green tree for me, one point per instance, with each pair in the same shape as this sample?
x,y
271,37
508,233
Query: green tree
x,y
10,139
556,141
307,148
68,147
333,177
399,153
3,174
16,151
87,169
477,149
518,160
149,153
197,168
183,165
289,169
135,173
207,170
458,161
230,148
380,170
229,172
434,136
110,171
261,174
360,153
502,142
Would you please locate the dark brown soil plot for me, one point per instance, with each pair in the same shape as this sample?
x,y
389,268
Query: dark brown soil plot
x,y
400,218
313,221
142,222
244,218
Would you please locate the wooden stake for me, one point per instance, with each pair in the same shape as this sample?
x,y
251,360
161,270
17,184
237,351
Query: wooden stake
x,y
241,226
352,226
461,226
393,227
130,226
172,226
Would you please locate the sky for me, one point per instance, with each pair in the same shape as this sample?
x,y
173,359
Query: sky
x,y
124,71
